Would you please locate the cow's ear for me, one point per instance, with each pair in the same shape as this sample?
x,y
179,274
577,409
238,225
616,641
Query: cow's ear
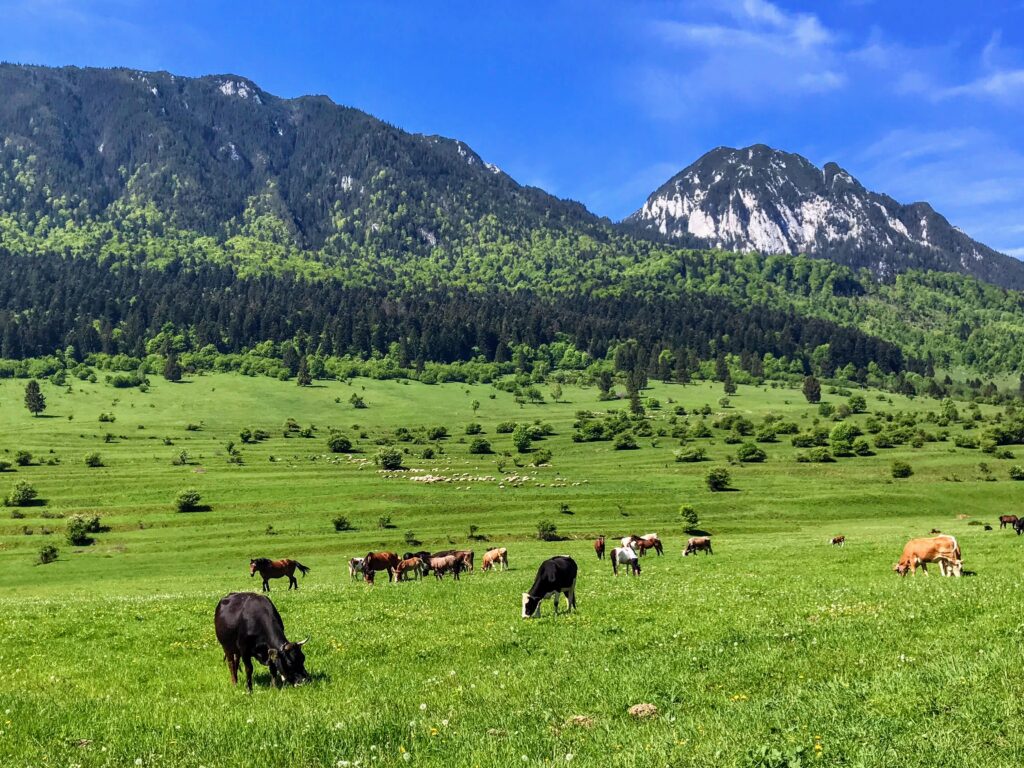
x,y
272,654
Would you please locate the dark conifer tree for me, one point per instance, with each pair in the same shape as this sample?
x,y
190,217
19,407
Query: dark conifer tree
x,y
35,401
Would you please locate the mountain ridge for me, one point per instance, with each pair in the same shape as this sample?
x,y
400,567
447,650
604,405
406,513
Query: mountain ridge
x,y
761,199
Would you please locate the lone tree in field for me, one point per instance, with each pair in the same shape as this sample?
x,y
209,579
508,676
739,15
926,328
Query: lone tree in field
x,y
812,390
172,368
302,377
34,400
717,479
689,517
521,438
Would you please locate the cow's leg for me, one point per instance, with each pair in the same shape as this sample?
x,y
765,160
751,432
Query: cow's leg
x,y
247,660
232,660
554,600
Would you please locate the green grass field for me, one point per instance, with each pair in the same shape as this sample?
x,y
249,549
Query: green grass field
x,y
778,650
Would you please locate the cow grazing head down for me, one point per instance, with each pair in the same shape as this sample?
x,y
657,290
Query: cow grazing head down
x,y
288,663
530,605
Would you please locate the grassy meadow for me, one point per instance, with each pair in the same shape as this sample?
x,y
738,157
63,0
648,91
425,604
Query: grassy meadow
x,y
779,650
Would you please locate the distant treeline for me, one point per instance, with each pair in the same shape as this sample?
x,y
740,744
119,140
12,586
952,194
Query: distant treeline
x,y
51,303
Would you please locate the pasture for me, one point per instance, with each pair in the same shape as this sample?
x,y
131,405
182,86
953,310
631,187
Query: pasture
x,y
777,650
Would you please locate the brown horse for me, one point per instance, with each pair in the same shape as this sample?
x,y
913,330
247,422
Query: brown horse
x,y
1007,520
838,541
379,561
275,569
599,547
648,541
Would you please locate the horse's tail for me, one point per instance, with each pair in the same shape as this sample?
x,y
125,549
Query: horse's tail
x,y
302,568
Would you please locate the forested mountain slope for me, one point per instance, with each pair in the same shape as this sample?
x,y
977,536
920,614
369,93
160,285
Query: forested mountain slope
x,y
172,197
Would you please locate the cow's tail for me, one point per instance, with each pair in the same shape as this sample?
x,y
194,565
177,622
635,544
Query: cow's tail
x,y
302,568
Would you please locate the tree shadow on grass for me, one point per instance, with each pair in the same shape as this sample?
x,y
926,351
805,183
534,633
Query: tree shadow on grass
x,y
196,508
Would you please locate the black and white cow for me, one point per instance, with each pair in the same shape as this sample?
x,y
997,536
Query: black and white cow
x,y
555,577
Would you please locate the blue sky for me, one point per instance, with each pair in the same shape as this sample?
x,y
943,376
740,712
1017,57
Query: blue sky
x,y
602,101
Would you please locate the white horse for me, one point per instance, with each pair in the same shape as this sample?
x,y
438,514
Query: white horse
x,y
625,556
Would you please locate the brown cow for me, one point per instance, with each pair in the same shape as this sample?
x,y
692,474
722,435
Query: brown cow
x,y
379,561
698,544
496,557
411,565
445,563
599,547
838,541
466,555
943,550
1005,520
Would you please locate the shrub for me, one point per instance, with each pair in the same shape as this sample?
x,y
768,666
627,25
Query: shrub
x,y
817,455
505,427
47,554
187,500
338,443
547,530
428,453
479,446
689,517
474,428
357,401
750,452
717,479
342,523
437,433
965,441
388,458
107,418
521,438
23,458
841,438
246,435
411,540
22,494
901,469
543,456
624,441
384,522
1017,472
691,454
4,465
79,528
94,460
862,447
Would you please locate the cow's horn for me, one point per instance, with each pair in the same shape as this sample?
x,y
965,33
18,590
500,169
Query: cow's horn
x,y
302,642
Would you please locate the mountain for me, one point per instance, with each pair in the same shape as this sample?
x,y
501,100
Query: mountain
x,y
761,199
213,153
138,208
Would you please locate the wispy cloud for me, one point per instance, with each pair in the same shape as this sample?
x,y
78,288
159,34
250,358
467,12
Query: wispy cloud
x,y
750,49
971,175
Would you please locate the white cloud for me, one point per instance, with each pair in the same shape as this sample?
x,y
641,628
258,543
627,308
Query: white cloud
x,y
1003,85
973,176
748,50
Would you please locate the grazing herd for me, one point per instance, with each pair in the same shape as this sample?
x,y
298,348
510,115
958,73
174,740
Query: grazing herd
x,y
249,627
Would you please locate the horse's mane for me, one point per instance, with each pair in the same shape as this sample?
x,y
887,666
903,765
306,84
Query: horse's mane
x,y
261,562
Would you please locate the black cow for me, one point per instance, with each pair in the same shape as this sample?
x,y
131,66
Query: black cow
x,y
555,577
1019,526
248,625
